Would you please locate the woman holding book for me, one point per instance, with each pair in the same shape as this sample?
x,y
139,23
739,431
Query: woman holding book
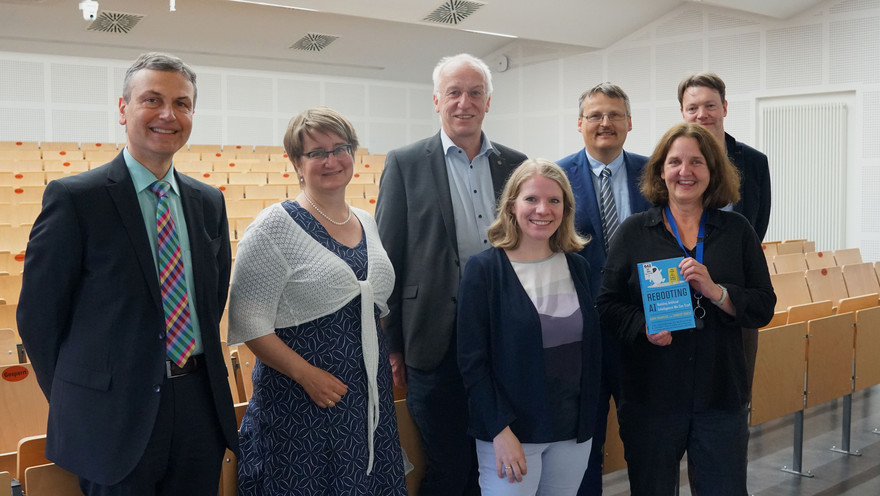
x,y
528,341
688,389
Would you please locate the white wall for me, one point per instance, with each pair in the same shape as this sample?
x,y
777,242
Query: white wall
x,y
833,48
54,98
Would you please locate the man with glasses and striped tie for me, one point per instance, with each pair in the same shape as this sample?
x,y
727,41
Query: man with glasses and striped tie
x,y
605,182
125,279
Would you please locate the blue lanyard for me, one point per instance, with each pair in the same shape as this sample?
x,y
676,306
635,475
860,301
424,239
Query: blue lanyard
x,y
699,311
700,235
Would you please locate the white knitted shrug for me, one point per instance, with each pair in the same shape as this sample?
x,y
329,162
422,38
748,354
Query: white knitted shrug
x,y
283,278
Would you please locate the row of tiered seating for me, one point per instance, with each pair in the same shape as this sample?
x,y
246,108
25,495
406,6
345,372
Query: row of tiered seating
x,y
251,177
821,346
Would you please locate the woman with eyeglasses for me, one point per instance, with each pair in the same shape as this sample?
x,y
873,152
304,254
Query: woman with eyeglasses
x,y
310,282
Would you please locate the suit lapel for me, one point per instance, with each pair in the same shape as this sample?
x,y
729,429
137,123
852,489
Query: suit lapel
x,y
121,189
436,159
636,201
583,177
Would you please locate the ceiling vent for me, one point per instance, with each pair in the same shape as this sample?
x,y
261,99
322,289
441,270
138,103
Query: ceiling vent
x,y
314,42
115,22
453,11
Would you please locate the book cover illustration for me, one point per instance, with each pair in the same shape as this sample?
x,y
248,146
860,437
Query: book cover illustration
x,y
666,297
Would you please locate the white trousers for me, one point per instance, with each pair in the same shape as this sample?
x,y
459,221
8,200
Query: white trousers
x,y
553,469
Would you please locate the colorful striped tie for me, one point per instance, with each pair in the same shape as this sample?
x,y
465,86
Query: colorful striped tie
x,y
179,338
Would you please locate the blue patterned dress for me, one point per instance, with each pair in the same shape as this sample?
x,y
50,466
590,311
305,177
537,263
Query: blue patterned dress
x,y
290,446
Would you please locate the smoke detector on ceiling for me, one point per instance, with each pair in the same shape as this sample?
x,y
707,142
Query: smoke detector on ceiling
x,y
115,22
314,42
453,11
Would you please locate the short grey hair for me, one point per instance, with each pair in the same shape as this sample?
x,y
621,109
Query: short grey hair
x,y
608,89
453,61
158,62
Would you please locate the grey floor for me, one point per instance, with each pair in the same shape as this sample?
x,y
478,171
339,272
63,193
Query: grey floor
x,y
834,474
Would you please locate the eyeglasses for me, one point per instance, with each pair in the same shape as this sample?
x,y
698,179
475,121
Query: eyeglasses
x,y
323,154
599,117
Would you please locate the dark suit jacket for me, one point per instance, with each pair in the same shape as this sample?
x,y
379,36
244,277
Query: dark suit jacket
x,y
754,188
417,227
501,352
588,217
91,318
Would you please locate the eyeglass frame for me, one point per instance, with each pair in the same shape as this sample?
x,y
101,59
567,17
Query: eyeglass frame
x,y
603,115
325,154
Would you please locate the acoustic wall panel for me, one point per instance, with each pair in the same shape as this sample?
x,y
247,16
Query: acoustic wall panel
x,y
210,89
249,93
674,62
870,200
21,81
350,99
252,129
387,102
871,128
421,104
687,21
380,137
631,68
80,84
84,125
724,20
296,95
23,124
854,50
737,59
854,6
793,56
208,130
536,81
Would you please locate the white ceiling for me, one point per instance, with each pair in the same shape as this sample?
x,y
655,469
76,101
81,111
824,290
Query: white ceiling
x,y
379,39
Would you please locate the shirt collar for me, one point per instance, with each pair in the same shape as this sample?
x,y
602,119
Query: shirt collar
x,y
485,145
143,178
597,166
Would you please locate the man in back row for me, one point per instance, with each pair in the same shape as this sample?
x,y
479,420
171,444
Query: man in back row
x,y
605,182
434,210
703,100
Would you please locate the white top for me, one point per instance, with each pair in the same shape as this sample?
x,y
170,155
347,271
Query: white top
x,y
283,277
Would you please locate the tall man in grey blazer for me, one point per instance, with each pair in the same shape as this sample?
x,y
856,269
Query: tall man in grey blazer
x,y
434,210
128,414
604,119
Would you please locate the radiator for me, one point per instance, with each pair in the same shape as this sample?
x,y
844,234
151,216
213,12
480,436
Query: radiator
x,y
806,148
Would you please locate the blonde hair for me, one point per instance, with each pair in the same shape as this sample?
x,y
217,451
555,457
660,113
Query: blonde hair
x,y
723,188
505,233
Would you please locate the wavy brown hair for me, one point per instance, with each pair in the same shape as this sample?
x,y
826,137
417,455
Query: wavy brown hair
x,y
723,188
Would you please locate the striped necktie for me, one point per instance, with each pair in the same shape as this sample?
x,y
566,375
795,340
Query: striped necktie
x,y
179,338
609,209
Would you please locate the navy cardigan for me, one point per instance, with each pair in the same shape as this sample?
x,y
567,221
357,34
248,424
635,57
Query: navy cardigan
x,y
500,351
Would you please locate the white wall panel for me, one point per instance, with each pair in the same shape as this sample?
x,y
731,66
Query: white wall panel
x,y
296,95
793,56
21,81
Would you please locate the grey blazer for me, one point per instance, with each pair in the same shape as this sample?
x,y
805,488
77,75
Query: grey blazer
x,y
417,227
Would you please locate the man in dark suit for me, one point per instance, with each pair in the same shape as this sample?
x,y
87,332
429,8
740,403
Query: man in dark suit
x,y
434,209
604,119
138,398
703,100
